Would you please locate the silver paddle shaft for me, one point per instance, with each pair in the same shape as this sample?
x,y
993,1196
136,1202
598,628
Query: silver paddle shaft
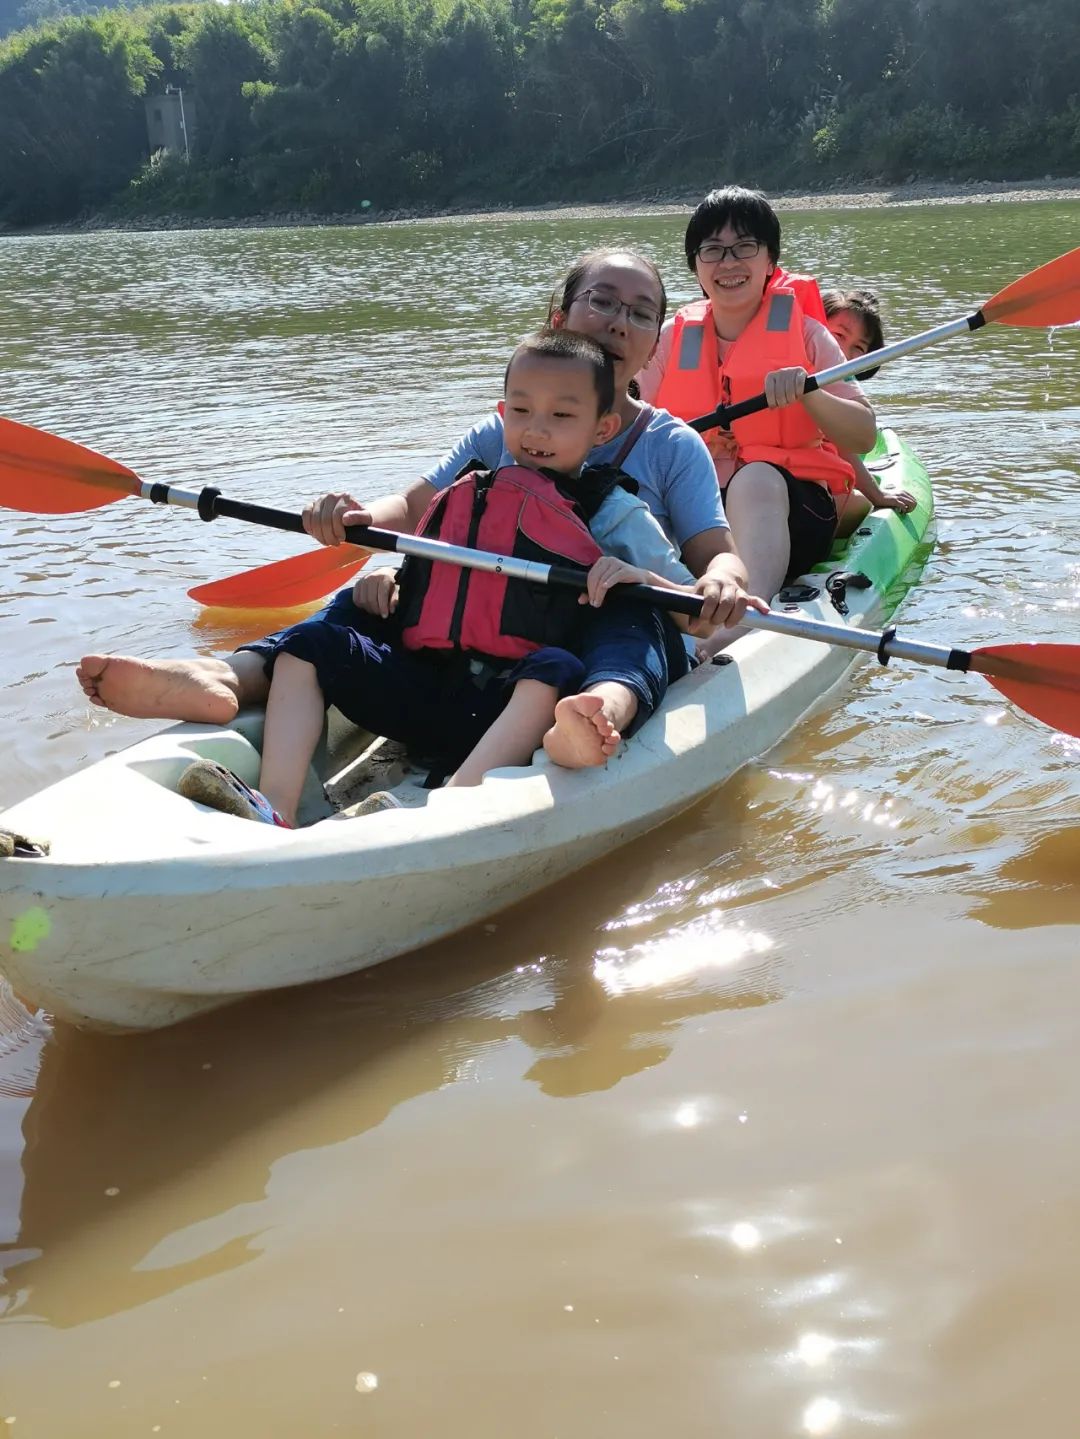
x,y
886,646
859,363
210,503
726,415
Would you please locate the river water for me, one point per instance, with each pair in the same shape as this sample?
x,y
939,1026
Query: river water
x,y
765,1127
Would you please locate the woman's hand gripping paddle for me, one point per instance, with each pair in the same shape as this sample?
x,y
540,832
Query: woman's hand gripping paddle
x,y
1043,679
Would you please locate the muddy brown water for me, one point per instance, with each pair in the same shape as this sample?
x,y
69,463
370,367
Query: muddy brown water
x,y
764,1125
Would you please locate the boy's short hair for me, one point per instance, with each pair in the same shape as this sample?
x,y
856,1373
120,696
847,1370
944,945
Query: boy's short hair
x,y
866,305
570,345
746,211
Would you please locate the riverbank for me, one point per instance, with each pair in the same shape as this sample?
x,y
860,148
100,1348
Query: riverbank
x,y
914,192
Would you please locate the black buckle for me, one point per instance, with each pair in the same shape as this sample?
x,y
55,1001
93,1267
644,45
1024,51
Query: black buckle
x,y
797,594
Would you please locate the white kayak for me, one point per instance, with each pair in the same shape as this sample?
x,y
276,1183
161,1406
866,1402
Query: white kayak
x,y
149,908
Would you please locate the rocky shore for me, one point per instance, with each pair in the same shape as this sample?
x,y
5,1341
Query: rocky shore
x,y
911,192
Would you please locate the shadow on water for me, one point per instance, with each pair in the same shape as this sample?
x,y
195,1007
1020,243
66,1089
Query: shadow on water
x,y
200,1113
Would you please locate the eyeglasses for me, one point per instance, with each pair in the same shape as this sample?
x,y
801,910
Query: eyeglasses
x,y
713,253
642,317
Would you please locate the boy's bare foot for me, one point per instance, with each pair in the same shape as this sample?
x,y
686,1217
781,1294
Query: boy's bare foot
x,y
202,690
582,734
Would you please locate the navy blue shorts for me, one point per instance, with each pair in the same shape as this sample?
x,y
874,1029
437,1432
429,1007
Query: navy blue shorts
x,y
438,707
623,642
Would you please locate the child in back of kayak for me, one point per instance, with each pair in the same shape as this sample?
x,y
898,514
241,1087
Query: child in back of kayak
x,y
464,667
853,318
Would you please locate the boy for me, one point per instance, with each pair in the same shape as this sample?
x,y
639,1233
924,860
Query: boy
x,y
416,672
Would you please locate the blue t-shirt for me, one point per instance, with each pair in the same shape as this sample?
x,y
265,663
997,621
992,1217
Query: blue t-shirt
x,y
670,462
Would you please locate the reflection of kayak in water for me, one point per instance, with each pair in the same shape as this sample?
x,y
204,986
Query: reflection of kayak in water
x,y
254,1097
111,1218
149,908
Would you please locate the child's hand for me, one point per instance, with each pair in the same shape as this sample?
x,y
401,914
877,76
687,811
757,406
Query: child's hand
x,y
784,387
325,519
901,501
376,593
608,571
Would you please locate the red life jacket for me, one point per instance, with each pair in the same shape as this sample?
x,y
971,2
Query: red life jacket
x,y
695,382
511,511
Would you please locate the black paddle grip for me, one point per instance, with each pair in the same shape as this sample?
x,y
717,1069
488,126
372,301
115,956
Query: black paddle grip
x,y
254,514
722,417
212,504
376,539
672,600
216,504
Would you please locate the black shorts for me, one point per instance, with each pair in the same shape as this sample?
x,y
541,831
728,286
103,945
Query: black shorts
x,y
812,521
437,706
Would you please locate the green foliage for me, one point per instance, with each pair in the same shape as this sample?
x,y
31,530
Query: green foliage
x,y
322,104
71,112
225,48
23,14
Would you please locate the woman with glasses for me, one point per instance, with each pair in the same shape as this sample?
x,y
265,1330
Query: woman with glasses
x,y
755,331
631,653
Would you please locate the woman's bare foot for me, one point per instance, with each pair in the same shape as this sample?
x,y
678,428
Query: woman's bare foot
x,y
582,734
202,690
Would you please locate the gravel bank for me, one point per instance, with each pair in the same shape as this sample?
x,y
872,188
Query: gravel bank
x,y
914,192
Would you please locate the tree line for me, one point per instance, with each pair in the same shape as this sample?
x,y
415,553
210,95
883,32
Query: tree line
x,y
334,105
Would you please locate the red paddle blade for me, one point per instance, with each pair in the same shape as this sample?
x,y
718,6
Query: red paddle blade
x,y
1044,680
1049,295
285,583
44,475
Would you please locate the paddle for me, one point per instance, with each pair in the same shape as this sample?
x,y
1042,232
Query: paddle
x,y
1042,679
286,583
1040,299
41,474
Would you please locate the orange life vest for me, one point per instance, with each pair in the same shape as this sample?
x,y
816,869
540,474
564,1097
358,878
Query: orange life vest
x,y
696,382
806,291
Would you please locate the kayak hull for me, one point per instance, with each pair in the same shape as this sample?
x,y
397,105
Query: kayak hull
x,y
149,909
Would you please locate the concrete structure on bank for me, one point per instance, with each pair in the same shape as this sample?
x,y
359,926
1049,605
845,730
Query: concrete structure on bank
x,y
170,122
